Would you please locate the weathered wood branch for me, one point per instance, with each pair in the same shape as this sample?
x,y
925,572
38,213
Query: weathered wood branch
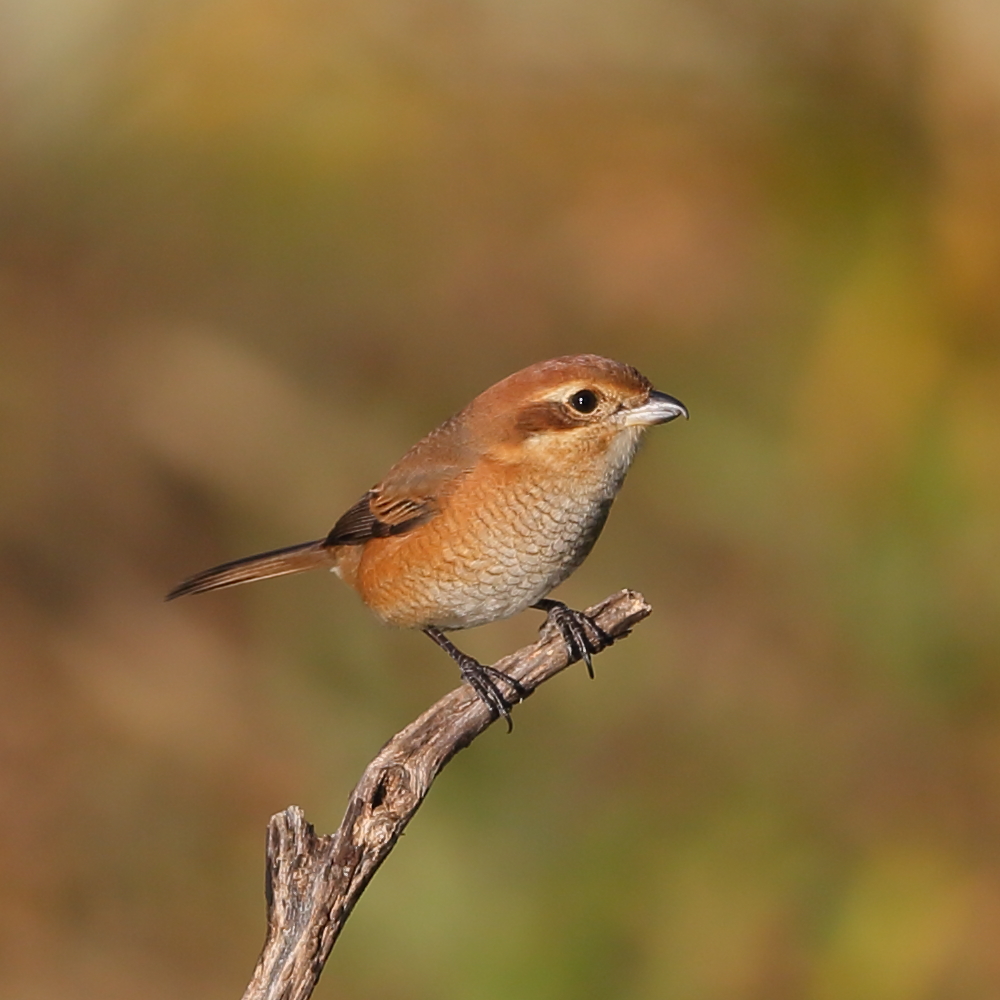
x,y
313,882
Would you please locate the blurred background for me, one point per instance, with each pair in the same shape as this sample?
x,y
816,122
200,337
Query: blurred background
x,y
250,251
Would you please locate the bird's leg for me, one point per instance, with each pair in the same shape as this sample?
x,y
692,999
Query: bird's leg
x,y
482,679
582,635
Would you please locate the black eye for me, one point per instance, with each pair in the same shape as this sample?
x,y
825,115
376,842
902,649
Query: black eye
x,y
583,401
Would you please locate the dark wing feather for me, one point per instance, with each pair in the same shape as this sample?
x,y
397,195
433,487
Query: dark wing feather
x,y
414,490
376,516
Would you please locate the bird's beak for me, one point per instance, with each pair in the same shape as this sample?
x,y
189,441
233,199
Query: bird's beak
x,y
658,409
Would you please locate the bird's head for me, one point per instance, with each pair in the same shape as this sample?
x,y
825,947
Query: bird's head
x,y
577,409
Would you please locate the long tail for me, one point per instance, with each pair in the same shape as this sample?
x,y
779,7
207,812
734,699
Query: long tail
x,y
294,559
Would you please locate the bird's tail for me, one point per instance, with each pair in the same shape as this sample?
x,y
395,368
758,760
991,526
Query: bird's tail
x,y
294,559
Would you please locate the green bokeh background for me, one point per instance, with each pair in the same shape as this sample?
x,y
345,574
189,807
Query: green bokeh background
x,y
250,250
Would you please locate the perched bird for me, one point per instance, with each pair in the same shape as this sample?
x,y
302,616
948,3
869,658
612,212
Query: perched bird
x,y
488,513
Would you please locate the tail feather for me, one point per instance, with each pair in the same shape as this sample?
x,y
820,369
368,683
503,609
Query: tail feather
x,y
280,562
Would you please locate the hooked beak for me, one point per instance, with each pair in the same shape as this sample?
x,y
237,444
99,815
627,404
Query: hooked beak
x,y
658,409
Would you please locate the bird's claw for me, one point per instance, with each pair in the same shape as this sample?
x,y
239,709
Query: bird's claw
x,y
486,681
582,635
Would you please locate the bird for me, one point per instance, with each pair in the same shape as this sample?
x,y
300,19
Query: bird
x,y
488,513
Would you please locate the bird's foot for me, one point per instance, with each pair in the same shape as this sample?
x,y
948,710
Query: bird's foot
x,y
582,635
485,681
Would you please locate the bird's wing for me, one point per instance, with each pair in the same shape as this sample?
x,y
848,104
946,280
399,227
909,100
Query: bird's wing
x,y
414,490
377,515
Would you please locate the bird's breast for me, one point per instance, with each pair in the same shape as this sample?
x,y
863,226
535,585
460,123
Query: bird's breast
x,y
502,541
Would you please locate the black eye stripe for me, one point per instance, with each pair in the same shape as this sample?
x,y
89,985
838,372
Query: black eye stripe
x,y
584,401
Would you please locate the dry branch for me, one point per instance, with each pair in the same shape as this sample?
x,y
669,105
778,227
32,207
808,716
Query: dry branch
x,y
313,882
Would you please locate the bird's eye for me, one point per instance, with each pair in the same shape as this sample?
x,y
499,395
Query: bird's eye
x,y
584,401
